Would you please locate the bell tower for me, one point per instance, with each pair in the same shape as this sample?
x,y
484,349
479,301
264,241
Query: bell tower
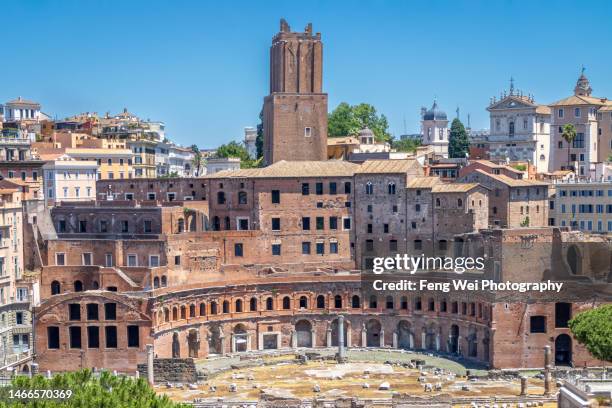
x,y
295,111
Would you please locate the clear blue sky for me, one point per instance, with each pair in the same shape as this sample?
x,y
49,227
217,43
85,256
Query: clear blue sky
x,y
202,67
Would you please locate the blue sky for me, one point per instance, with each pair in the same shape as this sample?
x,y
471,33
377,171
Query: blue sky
x,y
202,66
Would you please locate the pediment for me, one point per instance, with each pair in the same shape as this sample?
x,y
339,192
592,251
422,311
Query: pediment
x,y
511,102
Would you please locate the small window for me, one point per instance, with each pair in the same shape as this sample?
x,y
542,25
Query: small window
x,y
305,189
133,336
347,187
320,248
92,311
333,223
276,224
111,336
537,324
110,311
332,188
319,188
75,337
305,248
320,223
53,337
305,223
93,337
307,131
74,311
275,196
276,249
238,249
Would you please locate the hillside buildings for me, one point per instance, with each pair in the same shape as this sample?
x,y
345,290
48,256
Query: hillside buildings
x,y
68,179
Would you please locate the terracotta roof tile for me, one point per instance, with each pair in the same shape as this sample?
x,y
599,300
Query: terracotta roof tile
x,y
329,168
387,166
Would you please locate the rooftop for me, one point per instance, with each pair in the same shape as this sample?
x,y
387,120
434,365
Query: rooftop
x,y
512,182
423,182
453,187
387,166
330,168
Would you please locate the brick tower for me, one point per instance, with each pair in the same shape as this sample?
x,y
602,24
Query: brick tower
x,y
295,112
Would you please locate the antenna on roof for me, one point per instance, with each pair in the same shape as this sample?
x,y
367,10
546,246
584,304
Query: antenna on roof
x,y
405,124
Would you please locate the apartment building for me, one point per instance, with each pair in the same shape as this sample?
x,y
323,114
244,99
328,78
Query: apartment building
x,y
582,205
15,317
68,179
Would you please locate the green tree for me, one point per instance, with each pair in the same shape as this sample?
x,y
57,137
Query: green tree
x,y
197,161
236,149
105,391
569,134
593,329
458,142
347,120
405,145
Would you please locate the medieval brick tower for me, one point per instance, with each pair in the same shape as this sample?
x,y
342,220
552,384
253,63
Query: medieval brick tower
x,y
295,112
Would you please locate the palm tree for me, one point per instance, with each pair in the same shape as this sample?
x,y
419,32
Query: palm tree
x,y
197,159
569,134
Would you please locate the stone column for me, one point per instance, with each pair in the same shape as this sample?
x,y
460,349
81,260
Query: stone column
x,y
382,338
313,338
423,340
547,368
233,343
523,386
411,341
328,340
293,339
364,337
248,340
150,377
395,339
438,342
341,351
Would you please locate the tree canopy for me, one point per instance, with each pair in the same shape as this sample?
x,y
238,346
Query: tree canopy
x,y
458,143
405,145
593,329
348,120
236,149
105,391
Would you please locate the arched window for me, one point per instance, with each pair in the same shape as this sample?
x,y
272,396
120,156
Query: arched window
x,y
338,301
183,312
164,281
78,286
391,188
155,282
404,303
95,285
55,288
242,197
202,309
432,305
269,303
238,306
355,302
226,306
213,308
459,203
181,225
303,302
174,313
286,303
542,157
320,302
369,188
192,310
511,128
166,315
253,304
438,203
216,223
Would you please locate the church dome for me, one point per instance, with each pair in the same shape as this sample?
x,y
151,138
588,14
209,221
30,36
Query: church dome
x,y
434,113
366,132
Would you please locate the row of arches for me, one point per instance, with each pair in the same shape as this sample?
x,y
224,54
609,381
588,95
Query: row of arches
x,y
320,302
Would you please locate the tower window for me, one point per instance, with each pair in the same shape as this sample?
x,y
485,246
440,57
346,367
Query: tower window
x,y
307,131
